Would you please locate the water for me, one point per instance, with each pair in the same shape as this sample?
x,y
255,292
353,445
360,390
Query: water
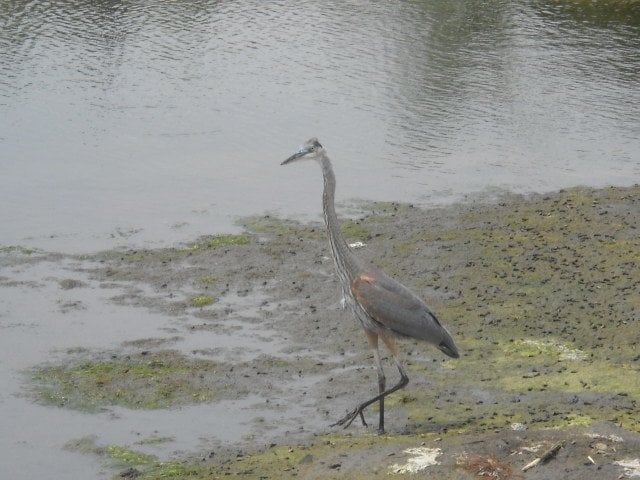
x,y
129,122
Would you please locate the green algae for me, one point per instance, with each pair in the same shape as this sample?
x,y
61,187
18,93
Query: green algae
x,y
384,212
533,347
276,227
354,231
123,457
178,470
274,362
21,250
148,380
202,300
154,440
167,255
404,248
216,241
208,280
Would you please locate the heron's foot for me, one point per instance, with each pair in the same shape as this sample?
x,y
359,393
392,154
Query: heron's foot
x,y
348,419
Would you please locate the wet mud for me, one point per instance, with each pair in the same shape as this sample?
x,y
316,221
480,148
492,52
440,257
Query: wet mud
x,y
245,335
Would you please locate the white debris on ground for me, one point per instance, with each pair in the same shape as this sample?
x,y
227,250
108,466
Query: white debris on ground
x,y
564,352
423,457
518,427
612,437
631,467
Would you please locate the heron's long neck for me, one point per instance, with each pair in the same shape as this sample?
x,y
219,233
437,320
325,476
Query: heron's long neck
x,y
345,261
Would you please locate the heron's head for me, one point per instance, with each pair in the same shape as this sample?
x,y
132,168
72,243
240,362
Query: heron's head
x,y
310,150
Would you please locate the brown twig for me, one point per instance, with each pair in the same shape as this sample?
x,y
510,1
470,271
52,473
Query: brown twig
x,y
545,457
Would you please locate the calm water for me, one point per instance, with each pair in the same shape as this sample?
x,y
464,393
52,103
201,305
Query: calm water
x,y
151,122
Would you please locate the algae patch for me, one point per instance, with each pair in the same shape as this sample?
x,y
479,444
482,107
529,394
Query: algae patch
x,y
202,300
276,227
354,230
136,464
145,380
12,249
124,456
216,241
168,255
532,348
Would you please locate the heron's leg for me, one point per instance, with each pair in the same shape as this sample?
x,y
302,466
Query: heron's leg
x,y
382,381
404,380
390,342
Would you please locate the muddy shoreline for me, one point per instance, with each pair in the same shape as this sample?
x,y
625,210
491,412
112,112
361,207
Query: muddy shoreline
x,y
541,293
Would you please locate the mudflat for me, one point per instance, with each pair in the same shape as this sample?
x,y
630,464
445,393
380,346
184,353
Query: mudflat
x,y
245,336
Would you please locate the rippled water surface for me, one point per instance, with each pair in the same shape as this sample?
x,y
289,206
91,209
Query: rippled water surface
x,y
138,122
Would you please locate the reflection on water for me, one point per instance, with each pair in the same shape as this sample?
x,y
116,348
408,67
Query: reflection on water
x,y
159,121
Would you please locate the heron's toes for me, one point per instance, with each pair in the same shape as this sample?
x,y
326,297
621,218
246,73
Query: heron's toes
x,y
350,417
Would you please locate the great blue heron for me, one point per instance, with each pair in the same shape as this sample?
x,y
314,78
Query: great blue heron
x,y
386,309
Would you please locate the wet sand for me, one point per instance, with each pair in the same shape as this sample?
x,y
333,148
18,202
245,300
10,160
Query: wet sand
x,y
231,354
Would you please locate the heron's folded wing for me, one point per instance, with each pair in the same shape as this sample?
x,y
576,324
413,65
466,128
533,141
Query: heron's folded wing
x,y
396,308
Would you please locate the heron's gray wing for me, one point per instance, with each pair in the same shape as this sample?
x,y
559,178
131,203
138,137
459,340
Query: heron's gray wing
x,y
396,308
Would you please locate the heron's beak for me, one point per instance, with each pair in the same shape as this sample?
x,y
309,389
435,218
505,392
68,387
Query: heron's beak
x,y
300,153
